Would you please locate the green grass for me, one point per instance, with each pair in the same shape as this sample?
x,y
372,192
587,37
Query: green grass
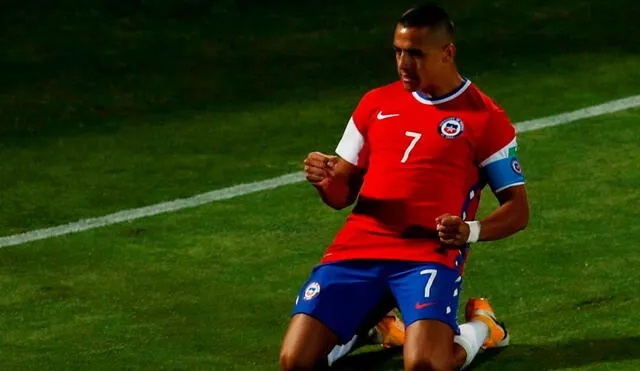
x,y
112,106
211,288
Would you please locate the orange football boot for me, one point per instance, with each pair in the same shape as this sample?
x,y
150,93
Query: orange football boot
x,y
389,331
478,309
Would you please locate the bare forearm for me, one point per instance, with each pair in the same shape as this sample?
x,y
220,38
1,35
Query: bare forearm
x,y
337,180
508,219
337,194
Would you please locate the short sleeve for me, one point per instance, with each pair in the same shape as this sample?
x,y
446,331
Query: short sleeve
x,y
353,145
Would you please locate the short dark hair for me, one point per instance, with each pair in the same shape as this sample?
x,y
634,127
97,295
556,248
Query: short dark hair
x,y
429,16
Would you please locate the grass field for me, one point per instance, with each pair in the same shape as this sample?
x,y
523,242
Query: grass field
x,y
111,107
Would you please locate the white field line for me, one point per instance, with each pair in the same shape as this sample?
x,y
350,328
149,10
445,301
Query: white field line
x,y
567,117
247,188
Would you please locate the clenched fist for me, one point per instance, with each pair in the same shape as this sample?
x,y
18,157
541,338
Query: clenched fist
x,y
319,168
452,230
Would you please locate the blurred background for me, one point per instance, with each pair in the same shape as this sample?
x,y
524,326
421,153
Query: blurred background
x,y
112,105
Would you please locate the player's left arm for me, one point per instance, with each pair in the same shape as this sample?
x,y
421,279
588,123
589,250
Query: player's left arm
x,y
512,215
502,169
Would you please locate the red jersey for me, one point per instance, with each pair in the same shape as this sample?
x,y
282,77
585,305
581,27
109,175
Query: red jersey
x,y
423,158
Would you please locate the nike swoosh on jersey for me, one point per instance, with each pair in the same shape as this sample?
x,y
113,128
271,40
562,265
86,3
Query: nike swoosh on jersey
x,y
382,117
424,305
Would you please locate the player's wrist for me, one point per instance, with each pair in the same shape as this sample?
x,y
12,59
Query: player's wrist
x,y
474,231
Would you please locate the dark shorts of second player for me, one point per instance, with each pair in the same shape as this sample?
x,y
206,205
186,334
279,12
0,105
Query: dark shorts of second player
x,y
350,296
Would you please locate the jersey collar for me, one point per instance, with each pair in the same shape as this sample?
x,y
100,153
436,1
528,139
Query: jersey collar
x,y
420,97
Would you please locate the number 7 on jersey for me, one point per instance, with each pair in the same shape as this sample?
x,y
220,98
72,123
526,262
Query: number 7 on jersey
x,y
416,138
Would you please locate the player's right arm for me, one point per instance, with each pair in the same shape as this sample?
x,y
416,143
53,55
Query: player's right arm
x,y
337,180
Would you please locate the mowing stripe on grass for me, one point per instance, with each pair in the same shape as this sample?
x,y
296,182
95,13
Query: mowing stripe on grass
x,y
243,189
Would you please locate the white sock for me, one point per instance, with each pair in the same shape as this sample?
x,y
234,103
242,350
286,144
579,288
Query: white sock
x,y
340,351
472,336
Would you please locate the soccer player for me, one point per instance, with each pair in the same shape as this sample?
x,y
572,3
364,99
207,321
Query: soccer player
x,y
415,154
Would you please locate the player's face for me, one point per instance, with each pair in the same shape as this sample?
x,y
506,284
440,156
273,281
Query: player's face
x,y
420,58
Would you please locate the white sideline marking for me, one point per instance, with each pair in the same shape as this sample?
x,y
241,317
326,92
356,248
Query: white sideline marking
x,y
567,117
243,189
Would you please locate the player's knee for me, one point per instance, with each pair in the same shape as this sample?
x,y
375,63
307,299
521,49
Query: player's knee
x,y
422,363
291,361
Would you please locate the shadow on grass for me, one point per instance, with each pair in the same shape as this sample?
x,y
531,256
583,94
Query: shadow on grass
x,y
386,359
556,356
552,356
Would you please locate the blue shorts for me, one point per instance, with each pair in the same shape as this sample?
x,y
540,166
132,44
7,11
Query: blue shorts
x,y
344,295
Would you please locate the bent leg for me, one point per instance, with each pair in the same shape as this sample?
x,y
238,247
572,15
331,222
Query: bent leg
x,y
306,343
329,308
429,346
427,294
